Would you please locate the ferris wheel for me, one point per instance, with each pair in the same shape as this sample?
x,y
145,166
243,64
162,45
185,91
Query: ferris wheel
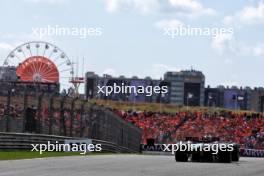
x,y
40,62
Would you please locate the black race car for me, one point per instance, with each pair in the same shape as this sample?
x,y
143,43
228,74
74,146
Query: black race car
x,y
207,149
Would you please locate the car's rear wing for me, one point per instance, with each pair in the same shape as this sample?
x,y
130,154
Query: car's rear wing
x,y
203,139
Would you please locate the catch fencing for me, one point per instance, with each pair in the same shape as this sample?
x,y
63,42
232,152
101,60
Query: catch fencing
x,y
53,114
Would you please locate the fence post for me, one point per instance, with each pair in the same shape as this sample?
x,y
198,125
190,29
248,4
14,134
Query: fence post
x,y
72,115
62,117
25,104
81,118
8,110
50,112
39,130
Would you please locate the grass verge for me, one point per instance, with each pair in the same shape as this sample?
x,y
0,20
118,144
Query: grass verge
x,y
16,155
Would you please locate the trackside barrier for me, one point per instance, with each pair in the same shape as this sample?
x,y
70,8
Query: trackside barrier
x,y
51,114
23,141
251,152
159,150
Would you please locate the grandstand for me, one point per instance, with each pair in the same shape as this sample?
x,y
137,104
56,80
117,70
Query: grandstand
x,y
173,123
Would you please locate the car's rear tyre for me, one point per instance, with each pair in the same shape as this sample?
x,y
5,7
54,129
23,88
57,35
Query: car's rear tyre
x,y
235,153
208,156
225,156
181,156
196,156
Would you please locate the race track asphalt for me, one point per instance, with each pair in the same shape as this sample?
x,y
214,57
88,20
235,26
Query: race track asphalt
x,y
128,165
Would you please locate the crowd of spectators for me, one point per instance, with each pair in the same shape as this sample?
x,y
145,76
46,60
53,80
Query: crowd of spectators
x,y
16,114
245,129
14,111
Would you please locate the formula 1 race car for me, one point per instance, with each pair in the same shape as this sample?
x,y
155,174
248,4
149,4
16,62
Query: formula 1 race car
x,y
207,149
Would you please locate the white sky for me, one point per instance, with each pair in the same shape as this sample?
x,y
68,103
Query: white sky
x,y
132,44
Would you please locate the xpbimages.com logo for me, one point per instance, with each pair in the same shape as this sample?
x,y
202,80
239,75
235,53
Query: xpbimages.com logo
x,y
82,146
61,31
187,31
126,89
200,147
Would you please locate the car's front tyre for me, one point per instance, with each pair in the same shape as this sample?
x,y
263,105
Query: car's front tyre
x,y
181,156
